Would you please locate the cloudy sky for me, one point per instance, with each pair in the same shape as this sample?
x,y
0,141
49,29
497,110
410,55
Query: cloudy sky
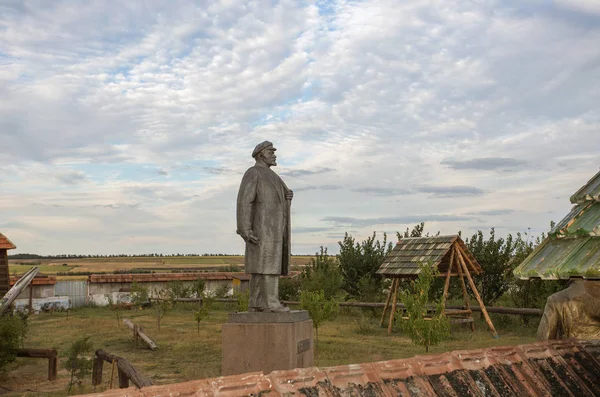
x,y
126,126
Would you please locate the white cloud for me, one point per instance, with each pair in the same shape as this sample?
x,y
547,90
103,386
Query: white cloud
x,y
126,127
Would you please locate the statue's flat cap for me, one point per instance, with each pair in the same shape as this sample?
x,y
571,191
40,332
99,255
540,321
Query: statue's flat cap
x,y
262,146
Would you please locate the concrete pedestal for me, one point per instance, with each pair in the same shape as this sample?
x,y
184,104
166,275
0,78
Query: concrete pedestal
x,y
267,342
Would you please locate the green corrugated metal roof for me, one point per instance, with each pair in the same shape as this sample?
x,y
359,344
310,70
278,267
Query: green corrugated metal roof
x,y
588,192
408,253
572,248
562,258
583,220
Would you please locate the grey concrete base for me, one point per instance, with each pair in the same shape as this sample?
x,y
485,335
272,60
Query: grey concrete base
x,y
292,316
266,347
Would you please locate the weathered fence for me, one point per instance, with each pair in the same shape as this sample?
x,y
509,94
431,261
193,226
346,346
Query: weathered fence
x,y
50,354
126,371
138,333
490,309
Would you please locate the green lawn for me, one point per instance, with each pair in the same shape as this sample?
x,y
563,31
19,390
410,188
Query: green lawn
x,y
185,355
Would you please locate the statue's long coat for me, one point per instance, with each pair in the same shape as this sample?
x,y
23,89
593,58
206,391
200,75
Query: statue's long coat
x,y
262,208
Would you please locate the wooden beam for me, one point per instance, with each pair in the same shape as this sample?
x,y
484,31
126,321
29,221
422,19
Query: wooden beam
x,y
142,335
477,296
448,275
387,302
393,311
125,370
462,283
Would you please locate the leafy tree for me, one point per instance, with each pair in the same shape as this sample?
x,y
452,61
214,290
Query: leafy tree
x,y
139,294
424,330
359,263
197,288
533,292
319,308
289,288
203,312
243,299
322,273
78,363
162,304
176,289
13,330
495,256
115,306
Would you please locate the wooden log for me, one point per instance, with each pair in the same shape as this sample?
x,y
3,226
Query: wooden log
x,y
387,302
488,320
461,320
142,335
462,283
125,369
448,274
37,353
97,371
393,311
457,312
490,309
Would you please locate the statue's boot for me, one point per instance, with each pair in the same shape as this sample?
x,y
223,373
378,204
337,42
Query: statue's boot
x,y
279,309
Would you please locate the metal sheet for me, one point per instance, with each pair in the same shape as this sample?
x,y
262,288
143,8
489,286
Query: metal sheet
x,y
75,290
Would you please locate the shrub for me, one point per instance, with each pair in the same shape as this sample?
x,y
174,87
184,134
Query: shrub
x,y
78,363
13,330
319,308
423,330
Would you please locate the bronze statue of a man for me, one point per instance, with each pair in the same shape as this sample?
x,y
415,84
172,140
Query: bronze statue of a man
x,y
263,221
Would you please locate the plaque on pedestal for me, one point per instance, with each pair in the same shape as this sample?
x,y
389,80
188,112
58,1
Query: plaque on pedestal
x,y
262,341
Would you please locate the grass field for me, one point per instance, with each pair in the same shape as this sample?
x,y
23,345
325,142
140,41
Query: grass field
x,y
157,264
185,355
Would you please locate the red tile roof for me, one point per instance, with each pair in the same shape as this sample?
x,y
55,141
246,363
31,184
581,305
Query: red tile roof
x,y
551,368
37,280
157,277
5,243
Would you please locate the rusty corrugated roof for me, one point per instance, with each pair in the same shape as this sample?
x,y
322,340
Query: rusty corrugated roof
x,y
404,259
549,368
5,243
588,192
37,280
157,277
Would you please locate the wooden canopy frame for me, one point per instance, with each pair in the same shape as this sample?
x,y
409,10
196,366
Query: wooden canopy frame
x,y
458,266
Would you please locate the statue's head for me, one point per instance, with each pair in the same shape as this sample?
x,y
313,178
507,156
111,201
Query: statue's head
x,y
265,152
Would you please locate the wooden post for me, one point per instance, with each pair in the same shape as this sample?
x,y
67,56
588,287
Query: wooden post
x,y
52,364
31,298
393,311
112,372
476,293
387,302
97,371
462,284
123,380
448,274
